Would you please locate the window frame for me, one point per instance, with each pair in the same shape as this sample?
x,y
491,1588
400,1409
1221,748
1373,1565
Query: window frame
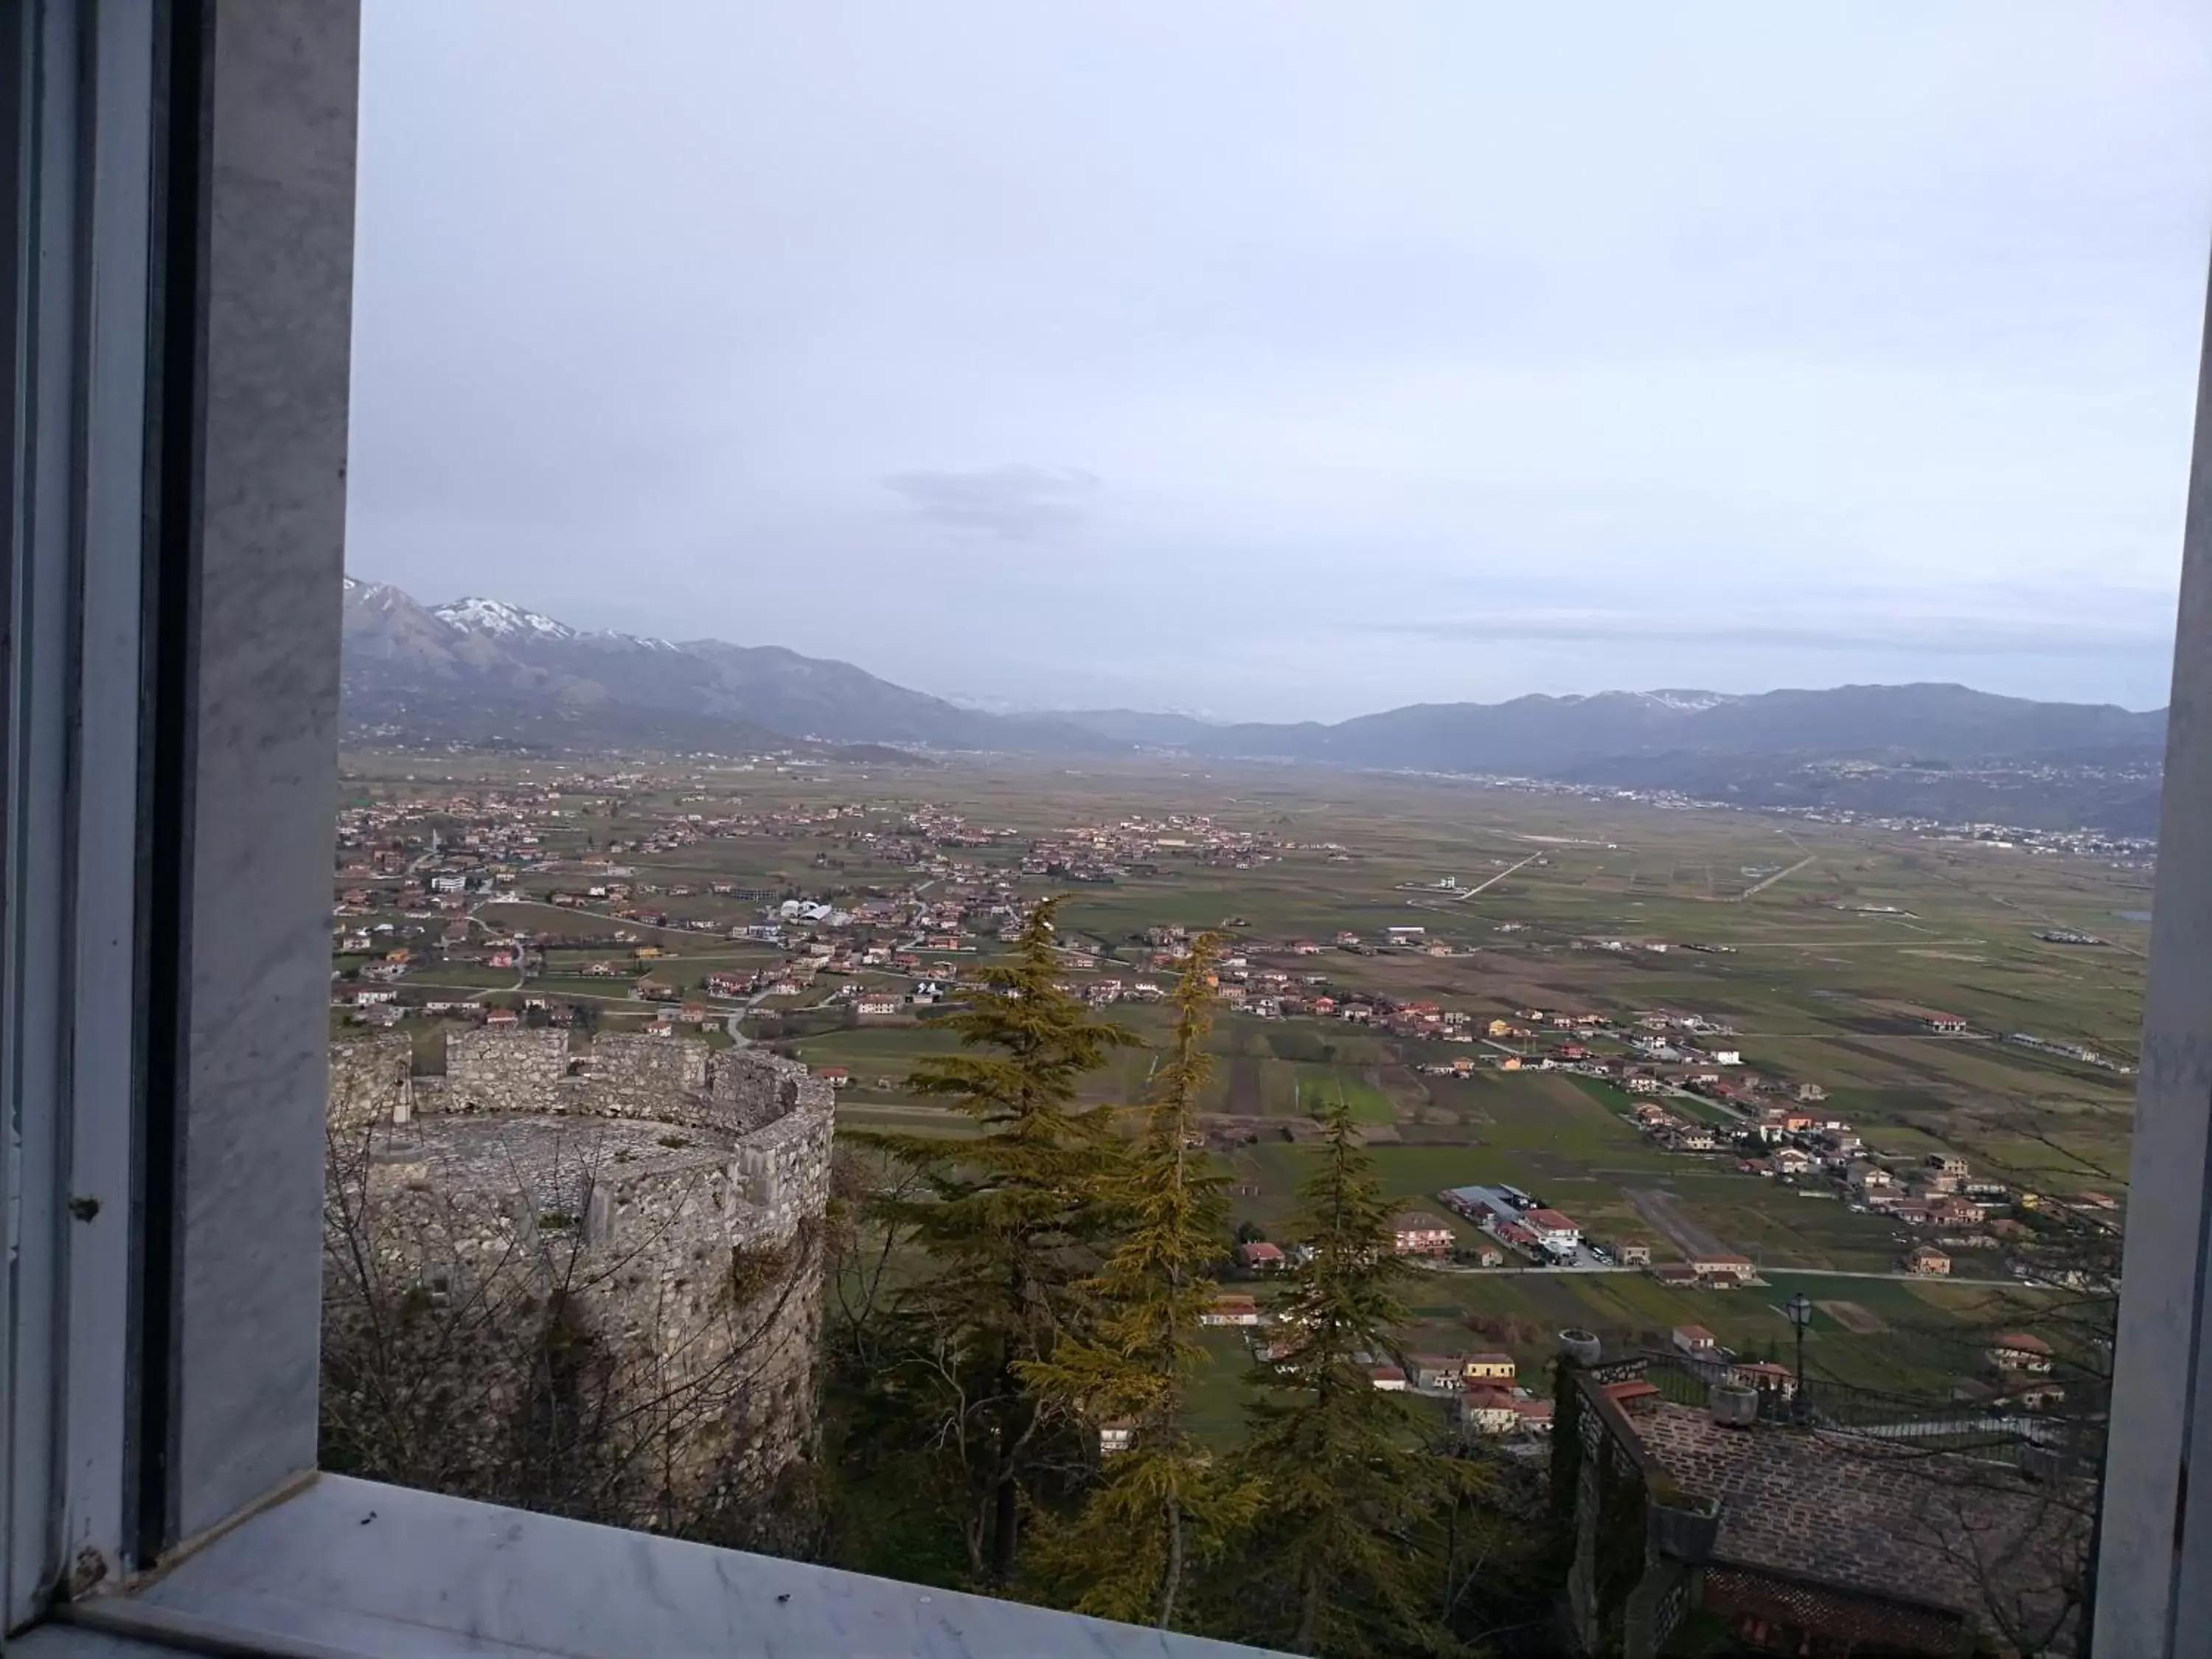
x,y
176,177
79,180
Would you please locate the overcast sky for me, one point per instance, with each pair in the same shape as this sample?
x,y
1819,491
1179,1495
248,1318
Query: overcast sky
x,y
1263,358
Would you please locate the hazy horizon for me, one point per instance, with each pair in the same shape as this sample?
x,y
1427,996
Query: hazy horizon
x,y
1019,705
1286,362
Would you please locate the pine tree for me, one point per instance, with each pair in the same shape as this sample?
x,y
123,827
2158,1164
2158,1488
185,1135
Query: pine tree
x,y
1163,1504
1348,1483
1013,1222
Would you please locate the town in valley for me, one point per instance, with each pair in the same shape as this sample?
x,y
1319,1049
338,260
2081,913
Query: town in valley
x,y
1651,1073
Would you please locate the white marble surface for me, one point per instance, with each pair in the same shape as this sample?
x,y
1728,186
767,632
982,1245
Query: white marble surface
x,y
264,748
380,1570
62,1642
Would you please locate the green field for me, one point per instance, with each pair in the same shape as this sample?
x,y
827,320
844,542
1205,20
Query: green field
x,y
1810,986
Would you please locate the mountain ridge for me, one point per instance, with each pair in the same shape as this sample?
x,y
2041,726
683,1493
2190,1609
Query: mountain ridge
x,y
401,655
478,669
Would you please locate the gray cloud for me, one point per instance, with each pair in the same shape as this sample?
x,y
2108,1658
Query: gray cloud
x,y
1935,636
1014,503
1400,315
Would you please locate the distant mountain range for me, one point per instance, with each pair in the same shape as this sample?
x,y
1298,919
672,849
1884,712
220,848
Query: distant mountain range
x,y
483,671
1945,722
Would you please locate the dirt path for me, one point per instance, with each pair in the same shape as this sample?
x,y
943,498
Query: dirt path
x,y
1243,1099
1665,1212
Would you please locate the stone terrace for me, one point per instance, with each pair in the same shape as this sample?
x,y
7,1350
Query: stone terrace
x,y
555,1161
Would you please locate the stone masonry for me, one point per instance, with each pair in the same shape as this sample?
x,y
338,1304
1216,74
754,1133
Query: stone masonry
x,y
667,1198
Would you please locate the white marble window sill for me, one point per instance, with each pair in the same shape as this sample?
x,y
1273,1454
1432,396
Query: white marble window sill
x,y
350,1570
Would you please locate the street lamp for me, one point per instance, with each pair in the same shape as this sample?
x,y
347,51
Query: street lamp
x,y
1799,1307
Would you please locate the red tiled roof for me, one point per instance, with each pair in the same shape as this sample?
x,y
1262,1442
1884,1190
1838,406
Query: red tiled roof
x,y
1745,1593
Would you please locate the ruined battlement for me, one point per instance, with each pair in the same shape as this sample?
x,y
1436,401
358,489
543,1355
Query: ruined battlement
x,y
623,1074
764,1123
372,1081
671,1190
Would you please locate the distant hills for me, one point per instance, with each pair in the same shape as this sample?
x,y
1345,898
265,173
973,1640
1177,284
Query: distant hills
x,y
480,670
1545,734
484,671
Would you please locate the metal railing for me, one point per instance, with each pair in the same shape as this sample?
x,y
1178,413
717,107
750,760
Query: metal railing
x,y
2001,1432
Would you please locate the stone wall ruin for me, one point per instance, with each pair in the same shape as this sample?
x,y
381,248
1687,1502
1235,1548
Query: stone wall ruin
x,y
639,1198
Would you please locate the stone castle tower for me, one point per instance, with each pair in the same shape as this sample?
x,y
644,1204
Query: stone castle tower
x,y
626,1234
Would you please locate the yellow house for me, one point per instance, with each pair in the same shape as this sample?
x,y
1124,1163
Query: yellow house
x,y
1499,1027
1490,1368
647,951
1510,1063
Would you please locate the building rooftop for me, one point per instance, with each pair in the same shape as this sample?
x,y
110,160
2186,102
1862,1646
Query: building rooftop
x,y
1851,1510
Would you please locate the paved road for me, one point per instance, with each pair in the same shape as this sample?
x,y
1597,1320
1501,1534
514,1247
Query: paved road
x,y
1463,897
1779,875
734,1025
1923,1278
1671,1091
1795,1272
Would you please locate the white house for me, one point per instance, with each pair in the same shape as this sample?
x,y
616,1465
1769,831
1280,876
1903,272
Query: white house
x,y
1489,1411
1231,1310
1559,1234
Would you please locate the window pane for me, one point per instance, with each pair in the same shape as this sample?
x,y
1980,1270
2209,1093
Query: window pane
x,y
1336,826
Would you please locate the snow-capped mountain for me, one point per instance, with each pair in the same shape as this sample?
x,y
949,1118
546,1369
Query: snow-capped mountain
x,y
482,667
1688,703
501,620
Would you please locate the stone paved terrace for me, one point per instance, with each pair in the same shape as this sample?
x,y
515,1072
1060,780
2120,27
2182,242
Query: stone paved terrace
x,y
1870,1514
554,1160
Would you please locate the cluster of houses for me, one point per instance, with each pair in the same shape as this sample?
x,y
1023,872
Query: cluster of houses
x,y
1481,1385
2016,1370
1938,1194
1484,1388
2080,1051
1518,1222
424,868
1108,853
